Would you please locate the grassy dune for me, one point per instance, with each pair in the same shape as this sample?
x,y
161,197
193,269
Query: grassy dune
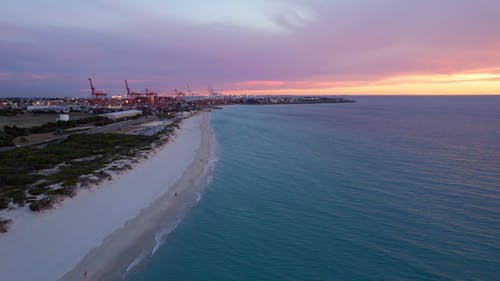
x,y
37,176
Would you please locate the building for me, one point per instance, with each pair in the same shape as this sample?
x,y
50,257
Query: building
x,y
122,114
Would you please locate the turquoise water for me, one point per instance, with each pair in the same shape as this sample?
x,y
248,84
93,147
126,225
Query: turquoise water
x,y
388,188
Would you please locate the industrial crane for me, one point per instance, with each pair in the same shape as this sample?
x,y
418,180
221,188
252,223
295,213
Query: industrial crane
x,y
151,96
131,94
96,95
190,93
177,93
212,92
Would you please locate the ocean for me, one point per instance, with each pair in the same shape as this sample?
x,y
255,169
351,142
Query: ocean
x,y
387,188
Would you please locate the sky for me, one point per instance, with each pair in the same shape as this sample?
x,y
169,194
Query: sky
x,y
300,47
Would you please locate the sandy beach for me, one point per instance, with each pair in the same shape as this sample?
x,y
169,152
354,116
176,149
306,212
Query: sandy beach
x,y
102,233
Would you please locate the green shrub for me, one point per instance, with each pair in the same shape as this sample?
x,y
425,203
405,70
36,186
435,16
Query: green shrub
x,y
70,192
37,190
15,131
18,165
4,203
4,225
42,204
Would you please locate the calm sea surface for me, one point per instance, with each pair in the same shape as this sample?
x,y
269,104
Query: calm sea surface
x,y
388,188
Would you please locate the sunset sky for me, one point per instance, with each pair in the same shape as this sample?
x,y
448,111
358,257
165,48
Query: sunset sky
x,y
50,48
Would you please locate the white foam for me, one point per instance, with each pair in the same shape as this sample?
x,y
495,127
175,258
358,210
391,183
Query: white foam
x,y
161,235
133,264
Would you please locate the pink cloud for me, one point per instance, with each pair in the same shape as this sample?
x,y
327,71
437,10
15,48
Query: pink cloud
x,y
347,43
260,83
39,76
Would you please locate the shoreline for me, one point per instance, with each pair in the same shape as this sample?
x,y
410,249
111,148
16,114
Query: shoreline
x,y
104,230
149,229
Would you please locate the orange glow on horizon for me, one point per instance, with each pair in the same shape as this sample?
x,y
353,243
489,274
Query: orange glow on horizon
x,y
436,84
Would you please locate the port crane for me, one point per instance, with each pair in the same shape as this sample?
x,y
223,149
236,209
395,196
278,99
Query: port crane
x,y
178,94
212,92
131,94
151,95
96,95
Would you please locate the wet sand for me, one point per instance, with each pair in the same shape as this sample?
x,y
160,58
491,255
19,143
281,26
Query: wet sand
x,y
140,237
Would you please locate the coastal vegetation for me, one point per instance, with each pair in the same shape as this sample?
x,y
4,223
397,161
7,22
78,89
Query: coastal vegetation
x,y
4,225
9,112
9,133
25,119
53,126
38,177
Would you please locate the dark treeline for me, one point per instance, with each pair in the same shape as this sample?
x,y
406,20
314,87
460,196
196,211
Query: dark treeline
x,y
10,132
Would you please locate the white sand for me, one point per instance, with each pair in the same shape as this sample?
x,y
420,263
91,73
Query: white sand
x,y
48,245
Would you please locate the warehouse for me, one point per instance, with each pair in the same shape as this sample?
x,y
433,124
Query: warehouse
x,y
122,114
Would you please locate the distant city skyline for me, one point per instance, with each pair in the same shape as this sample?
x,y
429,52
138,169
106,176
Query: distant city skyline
x,y
346,47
